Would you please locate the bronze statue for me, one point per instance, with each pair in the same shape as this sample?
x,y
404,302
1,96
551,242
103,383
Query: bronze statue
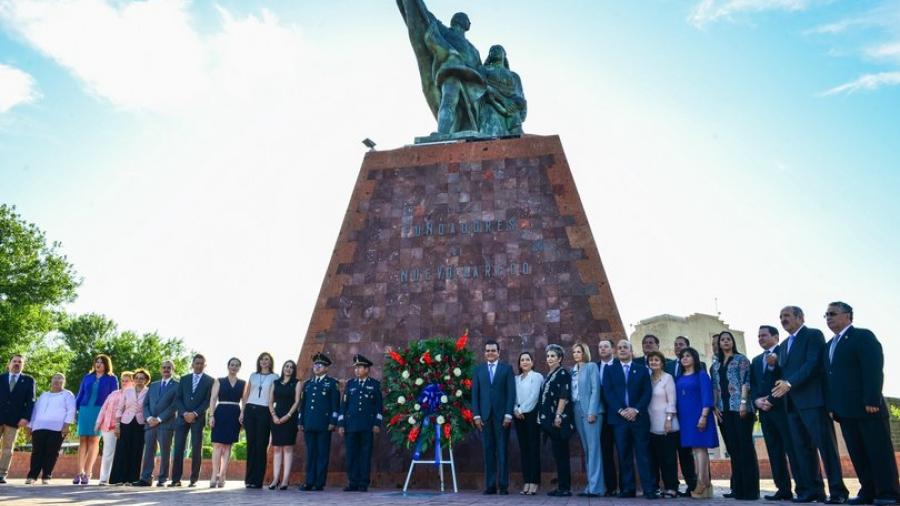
x,y
469,99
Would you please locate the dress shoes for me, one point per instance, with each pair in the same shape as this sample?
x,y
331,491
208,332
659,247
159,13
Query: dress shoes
x,y
160,484
489,491
626,495
587,494
140,483
611,493
503,491
318,489
778,496
837,499
728,495
560,493
2,480
350,488
192,484
651,496
305,488
860,500
175,483
808,498
362,488
884,501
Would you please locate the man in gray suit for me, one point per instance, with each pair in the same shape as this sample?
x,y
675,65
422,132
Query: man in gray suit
x,y
159,419
191,401
493,400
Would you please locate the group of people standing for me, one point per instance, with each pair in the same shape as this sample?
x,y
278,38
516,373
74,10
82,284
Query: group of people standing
x,y
633,415
136,418
649,414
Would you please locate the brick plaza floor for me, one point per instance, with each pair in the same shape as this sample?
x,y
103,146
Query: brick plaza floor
x,y
234,493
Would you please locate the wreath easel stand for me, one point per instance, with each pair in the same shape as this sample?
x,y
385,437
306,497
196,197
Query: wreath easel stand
x,y
443,462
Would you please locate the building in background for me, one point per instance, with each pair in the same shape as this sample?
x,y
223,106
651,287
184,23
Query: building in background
x,y
698,327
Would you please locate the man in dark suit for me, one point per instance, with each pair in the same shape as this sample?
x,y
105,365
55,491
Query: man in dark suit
x,y
16,402
854,377
810,427
318,420
685,455
360,419
627,390
159,423
191,404
772,417
493,400
607,434
651,343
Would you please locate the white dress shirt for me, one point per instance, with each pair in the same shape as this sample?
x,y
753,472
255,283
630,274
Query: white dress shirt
x,y
528,390
52,410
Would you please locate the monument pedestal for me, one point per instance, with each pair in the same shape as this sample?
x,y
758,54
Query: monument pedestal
x,y
489,236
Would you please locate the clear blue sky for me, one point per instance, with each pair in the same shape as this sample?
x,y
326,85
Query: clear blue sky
x,y
195,159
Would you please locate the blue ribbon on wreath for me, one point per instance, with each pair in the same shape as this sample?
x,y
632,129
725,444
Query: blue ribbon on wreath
x,y
430,401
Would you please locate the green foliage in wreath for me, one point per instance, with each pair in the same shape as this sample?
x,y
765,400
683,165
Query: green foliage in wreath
x,y
409,371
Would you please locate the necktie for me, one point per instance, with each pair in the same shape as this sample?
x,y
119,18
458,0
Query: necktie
x,y
13,378
491,372
765,363
627,369
602,370
834,342
195,383
789,343
677,368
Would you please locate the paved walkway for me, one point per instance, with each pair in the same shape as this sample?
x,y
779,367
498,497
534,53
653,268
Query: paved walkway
x,y
234,493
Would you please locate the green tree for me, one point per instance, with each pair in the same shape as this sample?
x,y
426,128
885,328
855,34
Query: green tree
x,y
35,281
89,335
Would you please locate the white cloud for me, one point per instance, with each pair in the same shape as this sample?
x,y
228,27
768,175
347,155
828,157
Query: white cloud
x,y
709,11
887,51
867,82
16,88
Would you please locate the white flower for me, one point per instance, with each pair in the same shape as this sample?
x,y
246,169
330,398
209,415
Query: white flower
x,y
419,382
401,400
444,399
411,420
440,419
405,375
438,357
447,378
459,393
457,372
417,407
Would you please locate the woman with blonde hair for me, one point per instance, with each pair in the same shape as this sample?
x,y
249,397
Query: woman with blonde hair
x,y
588,417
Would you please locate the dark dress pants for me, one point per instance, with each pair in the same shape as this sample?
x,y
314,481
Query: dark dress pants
x,y
560,447
359,457
45,445
181,433
744,466
318,452
872,453
607,449
126,466
257,425
496,441
811,429
686,461
778,445
663,459
633,444
528,432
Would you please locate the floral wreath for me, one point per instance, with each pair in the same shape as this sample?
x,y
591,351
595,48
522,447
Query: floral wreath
x,y
428,387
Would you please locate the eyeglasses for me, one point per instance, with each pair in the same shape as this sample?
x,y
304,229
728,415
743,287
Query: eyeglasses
x,y
832,314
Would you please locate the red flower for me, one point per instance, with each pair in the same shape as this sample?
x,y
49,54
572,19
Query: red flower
x,y
413,435
427,358
463,339
467,414
467,383
397,358
447,430
395,419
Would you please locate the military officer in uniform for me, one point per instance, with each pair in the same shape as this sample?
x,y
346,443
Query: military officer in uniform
x,y
317,419
360,418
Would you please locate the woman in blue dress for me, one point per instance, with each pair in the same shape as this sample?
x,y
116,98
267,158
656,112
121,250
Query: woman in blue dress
x,y
226,408
693,391
95,388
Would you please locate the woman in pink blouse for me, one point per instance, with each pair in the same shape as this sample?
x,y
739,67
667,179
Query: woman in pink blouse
x,y
664,437
129,430
106,425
